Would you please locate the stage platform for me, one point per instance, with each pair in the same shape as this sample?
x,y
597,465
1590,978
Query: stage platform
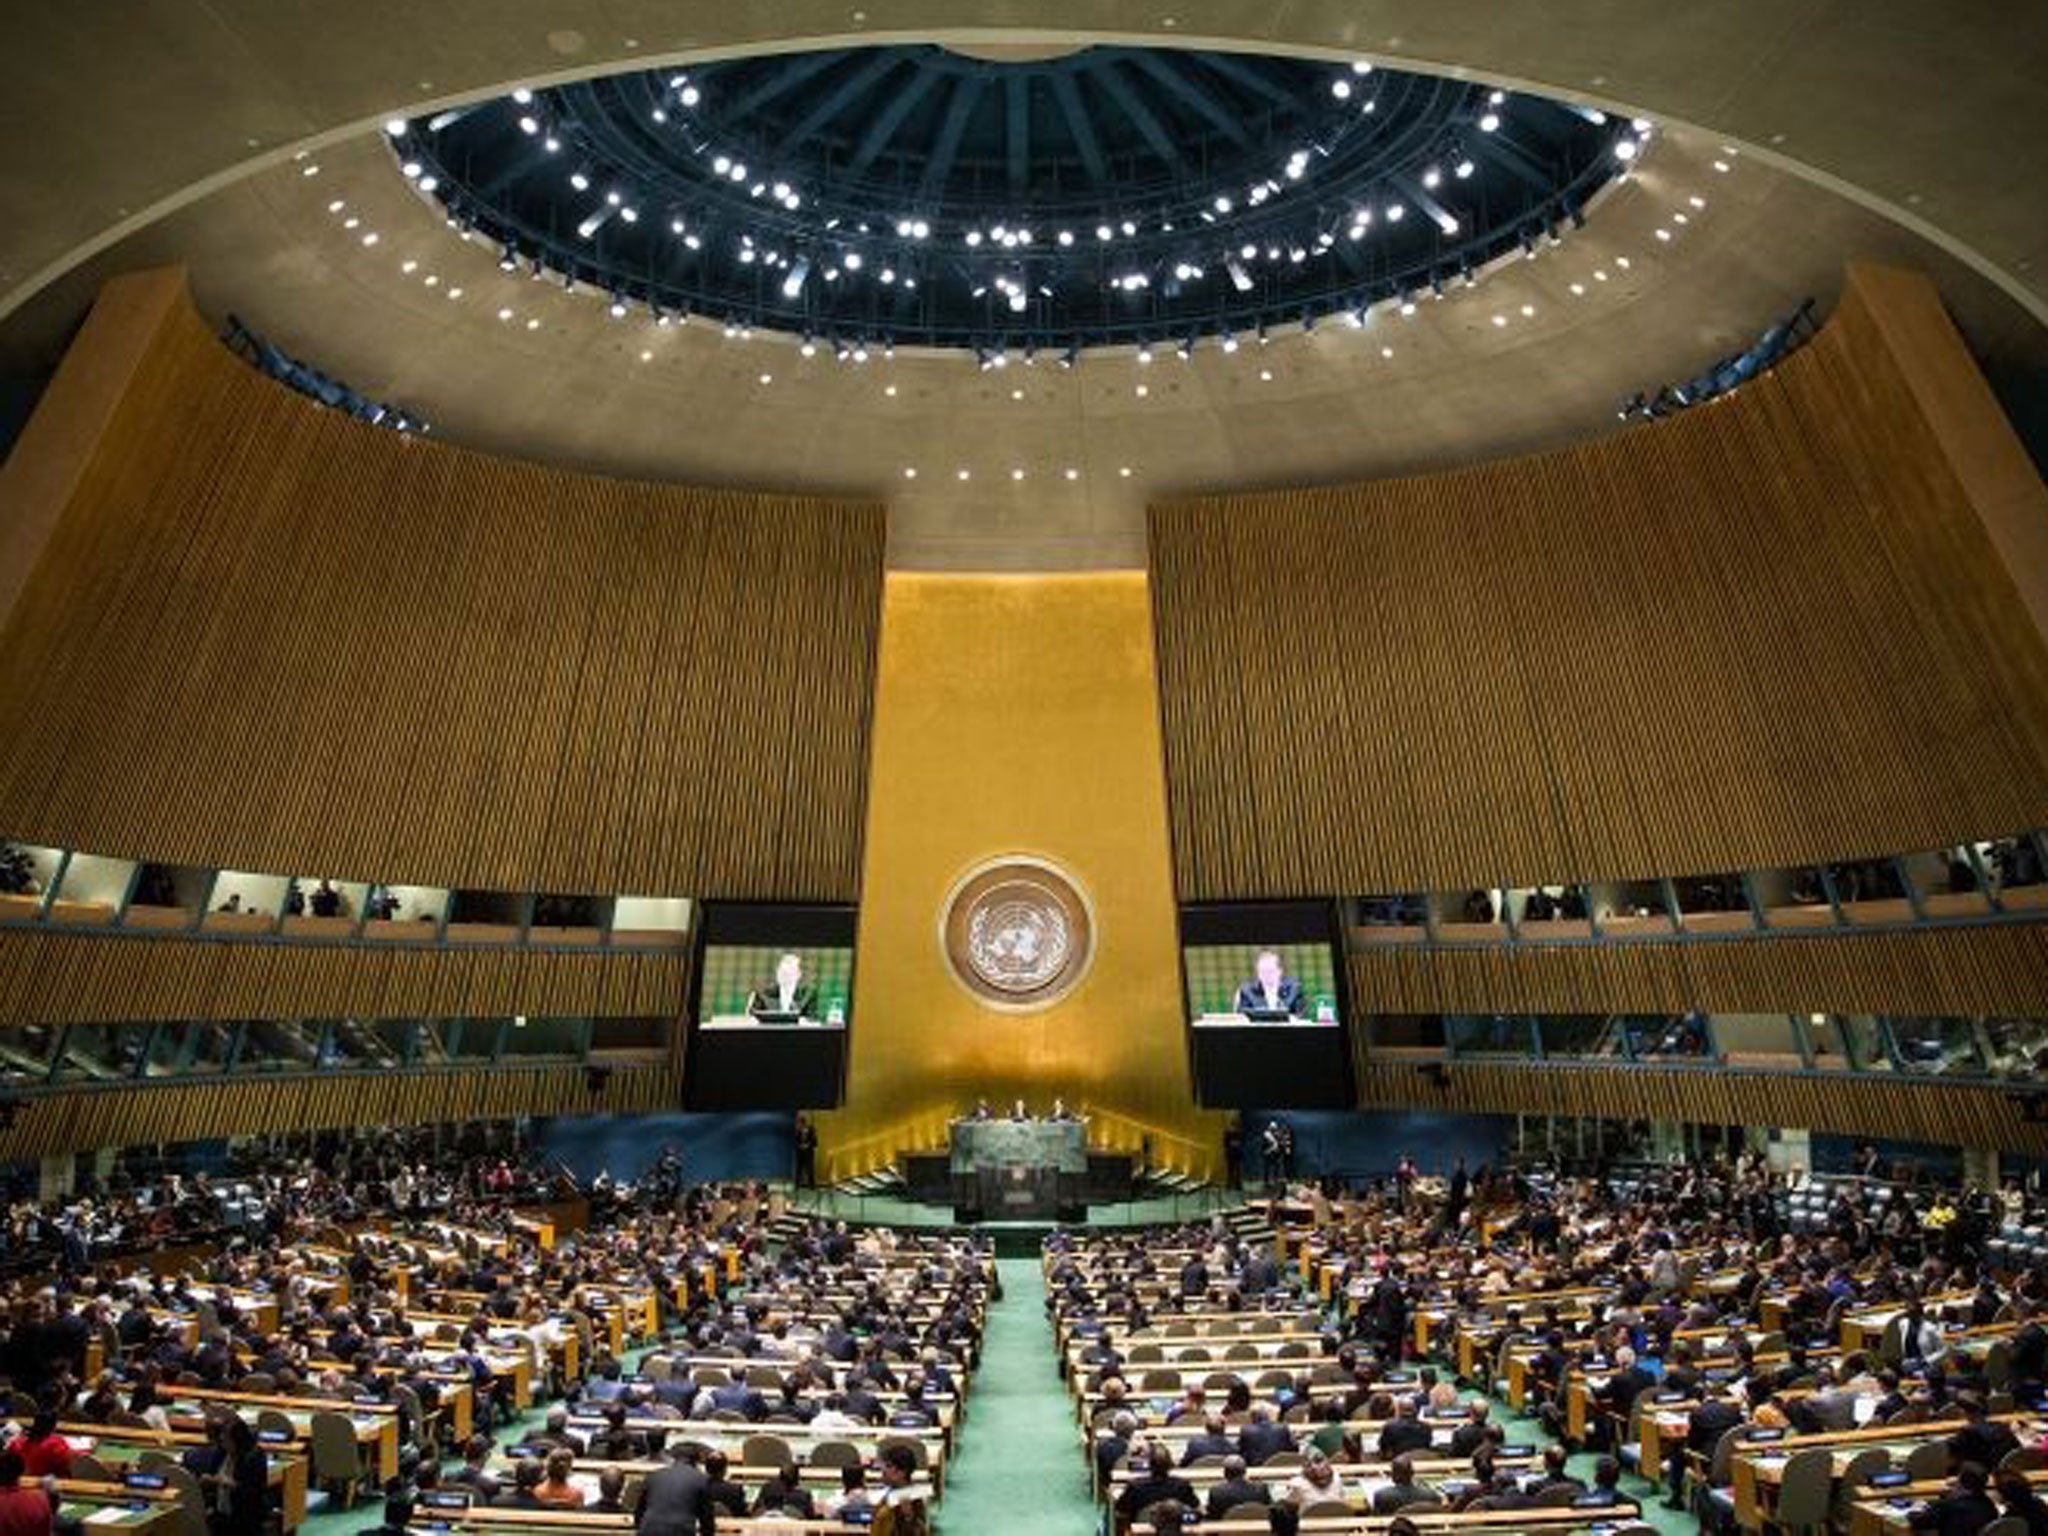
x,y
1011,1237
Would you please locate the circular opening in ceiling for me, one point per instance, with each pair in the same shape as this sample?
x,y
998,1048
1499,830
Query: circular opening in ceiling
x,y
939,197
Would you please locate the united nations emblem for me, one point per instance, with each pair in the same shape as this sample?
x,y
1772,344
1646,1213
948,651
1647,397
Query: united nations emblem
x,y
1016,932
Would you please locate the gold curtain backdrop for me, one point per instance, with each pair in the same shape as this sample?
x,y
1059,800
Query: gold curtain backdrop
x,y
1017,716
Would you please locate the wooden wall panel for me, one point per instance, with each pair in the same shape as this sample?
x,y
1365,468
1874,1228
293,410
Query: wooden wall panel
x,y
269,637
60,978
120,1117
1771,629
1901,1109
1976,970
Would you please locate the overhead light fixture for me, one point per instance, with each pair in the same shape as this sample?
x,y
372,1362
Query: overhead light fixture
x,y
793,284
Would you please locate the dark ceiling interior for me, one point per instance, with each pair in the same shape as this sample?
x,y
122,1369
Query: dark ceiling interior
x,y
911,194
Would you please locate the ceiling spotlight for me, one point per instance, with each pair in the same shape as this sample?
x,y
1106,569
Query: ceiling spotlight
x,y
690,96
617,307
395,127
1144,353
1065,237
1341,89
522,95
1186,349
1069,357
1103,231
1489,122
529,125
1464,170
809,348
1432,178
793,284
1240,279
579,181
1625,149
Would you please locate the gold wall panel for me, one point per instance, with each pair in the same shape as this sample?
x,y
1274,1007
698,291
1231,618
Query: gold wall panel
x,y
1999,970
1771,629
265,636
123,1117
1017,715
1895,1108
63,978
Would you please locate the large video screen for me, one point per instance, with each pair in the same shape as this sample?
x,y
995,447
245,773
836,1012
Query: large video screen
x,y
1233,979
774,1000
746,981
1265,997
1268,962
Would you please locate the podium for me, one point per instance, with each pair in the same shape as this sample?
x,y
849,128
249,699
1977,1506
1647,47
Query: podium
x,y
1019,1170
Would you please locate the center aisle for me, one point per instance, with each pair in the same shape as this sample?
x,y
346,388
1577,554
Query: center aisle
x,y
1018,1468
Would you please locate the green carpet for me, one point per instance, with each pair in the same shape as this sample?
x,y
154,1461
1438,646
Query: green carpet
x,y
1018,1468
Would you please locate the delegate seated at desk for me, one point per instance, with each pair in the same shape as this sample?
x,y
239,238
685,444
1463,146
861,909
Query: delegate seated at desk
x,y
1271,990
788,995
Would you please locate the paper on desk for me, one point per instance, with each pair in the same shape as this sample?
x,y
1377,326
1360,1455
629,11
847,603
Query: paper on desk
x,y
110,1514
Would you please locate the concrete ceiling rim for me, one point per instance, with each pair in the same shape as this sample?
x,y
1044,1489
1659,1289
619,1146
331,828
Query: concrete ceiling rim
x,y
2009,283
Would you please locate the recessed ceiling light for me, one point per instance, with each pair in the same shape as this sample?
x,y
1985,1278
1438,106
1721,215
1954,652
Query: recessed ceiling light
x,y
1386,352
533,325
767,378
454,293
1141,391
1528,309
504,314
646,357
1016,474
910,471
964,474
1073,474
1125,471
889,390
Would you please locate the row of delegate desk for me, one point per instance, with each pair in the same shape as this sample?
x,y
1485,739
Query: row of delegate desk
x,y
1214,1344
625,1316
1492,1345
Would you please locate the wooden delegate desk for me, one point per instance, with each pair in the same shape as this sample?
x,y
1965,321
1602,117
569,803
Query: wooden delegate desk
x,y
1755,1469
375,1424
1485,1522
820,1480
567,1522
118,1449
96,1506
731,1437
1889,1511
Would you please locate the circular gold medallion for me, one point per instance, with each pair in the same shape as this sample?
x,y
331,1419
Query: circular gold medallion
x,y
1017,932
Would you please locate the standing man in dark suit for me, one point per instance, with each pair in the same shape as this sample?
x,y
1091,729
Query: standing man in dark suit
x,y
676,1501
1271,990
787,993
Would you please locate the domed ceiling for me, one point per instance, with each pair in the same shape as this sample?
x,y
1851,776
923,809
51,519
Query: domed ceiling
x,y
916,195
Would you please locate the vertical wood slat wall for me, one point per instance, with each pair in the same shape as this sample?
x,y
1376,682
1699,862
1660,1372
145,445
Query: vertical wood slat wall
x,y
1991,970
59,978
138,1116
265,636
1769,630
1896,1109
